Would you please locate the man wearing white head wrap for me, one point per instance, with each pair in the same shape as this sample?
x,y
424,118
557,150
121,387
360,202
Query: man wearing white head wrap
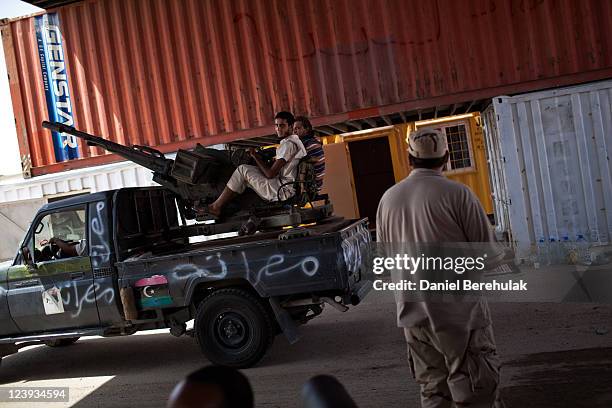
x,y
451,349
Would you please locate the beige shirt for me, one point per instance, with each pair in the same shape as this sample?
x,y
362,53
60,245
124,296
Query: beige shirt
x,y
427,207
292,150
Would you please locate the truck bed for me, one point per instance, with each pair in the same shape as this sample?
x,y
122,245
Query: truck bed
x,y
330,261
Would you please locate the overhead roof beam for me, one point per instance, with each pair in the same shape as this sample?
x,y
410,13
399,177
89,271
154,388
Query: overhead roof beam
x,y
469,108
46,4
339,127
370,122
327,132
354,124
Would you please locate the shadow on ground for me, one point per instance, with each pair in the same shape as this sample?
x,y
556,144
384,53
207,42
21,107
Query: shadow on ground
x,y
574,378
145,368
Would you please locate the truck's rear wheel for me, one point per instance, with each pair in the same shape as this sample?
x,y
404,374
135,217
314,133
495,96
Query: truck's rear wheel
x,y
233,328
61,342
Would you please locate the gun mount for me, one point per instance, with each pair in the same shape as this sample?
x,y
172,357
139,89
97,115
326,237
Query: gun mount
x,y
198,177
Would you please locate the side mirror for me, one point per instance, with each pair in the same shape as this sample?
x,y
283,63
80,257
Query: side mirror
x,y
27,257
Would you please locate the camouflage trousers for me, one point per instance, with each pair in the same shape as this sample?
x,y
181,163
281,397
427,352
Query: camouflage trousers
x,y
455,369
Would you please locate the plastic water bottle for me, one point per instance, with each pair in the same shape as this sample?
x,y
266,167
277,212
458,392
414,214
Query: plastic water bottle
x,y
594,236
543,252
553,252
533,256
584,254
565,249
571,252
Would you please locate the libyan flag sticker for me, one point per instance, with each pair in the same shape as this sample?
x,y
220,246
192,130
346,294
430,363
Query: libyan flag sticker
x,y
153,292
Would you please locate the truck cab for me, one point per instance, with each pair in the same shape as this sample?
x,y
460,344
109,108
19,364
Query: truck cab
x,y
48,289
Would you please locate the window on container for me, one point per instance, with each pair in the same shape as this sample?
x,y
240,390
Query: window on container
x,y
458,147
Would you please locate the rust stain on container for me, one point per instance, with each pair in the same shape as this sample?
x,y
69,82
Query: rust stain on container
x,y
170,73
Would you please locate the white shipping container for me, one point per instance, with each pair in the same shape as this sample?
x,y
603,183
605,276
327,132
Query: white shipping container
x,y
555,148
497,178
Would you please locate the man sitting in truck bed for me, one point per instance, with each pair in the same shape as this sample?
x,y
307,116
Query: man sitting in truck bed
x,y
303,128
270,183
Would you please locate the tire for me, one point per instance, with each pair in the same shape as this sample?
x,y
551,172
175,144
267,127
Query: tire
x,y
61,342
233,328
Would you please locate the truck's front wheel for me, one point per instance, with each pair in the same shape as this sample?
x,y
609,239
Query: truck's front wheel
x,y
233,328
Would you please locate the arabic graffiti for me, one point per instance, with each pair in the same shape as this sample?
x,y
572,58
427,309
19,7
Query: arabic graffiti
x,y
308,265
352,247
100,252
71,297
215,267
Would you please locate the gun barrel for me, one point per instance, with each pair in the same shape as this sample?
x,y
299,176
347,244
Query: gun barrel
x,y
60,127
145,156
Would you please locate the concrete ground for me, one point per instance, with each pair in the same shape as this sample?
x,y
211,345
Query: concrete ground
x,y
555,355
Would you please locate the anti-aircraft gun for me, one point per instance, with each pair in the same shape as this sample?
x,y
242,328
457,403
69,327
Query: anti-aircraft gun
x,y
197,178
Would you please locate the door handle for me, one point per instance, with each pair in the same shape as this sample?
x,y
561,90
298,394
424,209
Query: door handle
x,y
77,275
26,283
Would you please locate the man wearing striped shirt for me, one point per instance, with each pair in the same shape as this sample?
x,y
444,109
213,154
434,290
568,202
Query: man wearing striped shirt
x,y
314,148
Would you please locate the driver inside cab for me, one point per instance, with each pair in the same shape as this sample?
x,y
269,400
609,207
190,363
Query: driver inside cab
x,y
60,235
69,249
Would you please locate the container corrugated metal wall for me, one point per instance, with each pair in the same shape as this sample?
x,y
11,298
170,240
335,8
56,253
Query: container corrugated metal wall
x,y
495,164
556,147
169,73
100,178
